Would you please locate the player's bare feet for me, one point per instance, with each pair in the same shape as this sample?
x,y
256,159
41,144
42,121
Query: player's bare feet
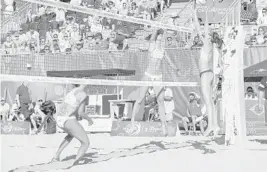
x,y
212,131
164,130
216,131
208,131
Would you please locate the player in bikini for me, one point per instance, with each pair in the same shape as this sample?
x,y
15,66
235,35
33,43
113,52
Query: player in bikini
x,y
153,73
72,107
207,75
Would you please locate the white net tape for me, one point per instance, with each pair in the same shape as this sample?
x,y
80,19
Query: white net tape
x,y
60,80
96,12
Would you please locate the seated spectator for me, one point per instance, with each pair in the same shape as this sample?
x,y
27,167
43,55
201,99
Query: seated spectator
x,y
55,46
253,41
250,94
146,15
17,43
96,25
194,111
33,35
143,6
106,32
260,36
22,36
133,11
49,109
37,114
30,16
4,110
152,8
41,10
197,42
78,46
100,44
75,34
151,105
124,10
112,7
117,42
33,46
162,5
86,32
8,45
170,43
168,104
15,114
60,15
262,19
91,46
65,43
42,43
46,50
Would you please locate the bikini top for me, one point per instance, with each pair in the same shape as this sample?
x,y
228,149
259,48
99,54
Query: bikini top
x,y
71,99
156,53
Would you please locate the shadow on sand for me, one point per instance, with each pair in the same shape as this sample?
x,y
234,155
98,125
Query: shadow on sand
x,y
146,148
261,141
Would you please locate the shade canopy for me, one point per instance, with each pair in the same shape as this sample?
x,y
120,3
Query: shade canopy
x,y
256,72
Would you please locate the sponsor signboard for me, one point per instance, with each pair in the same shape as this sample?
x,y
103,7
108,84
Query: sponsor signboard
x,y
17,128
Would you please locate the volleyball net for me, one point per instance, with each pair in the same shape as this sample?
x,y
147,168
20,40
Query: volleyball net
x,y
75,65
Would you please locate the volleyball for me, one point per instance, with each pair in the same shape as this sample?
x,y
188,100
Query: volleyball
x,y
201,2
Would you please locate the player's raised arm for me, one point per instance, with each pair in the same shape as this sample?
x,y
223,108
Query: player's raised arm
x,y
206,26
196,22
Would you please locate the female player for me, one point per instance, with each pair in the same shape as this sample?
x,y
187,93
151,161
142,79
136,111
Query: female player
x,y
206,74
73,105
153,73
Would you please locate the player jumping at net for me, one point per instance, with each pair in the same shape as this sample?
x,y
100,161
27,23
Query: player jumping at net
x,y
67,115
153,73
206,73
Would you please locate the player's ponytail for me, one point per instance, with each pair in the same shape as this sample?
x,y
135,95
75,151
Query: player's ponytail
x,y
48,107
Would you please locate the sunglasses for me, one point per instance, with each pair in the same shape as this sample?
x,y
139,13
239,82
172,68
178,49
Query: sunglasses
x,y
46,49
40,100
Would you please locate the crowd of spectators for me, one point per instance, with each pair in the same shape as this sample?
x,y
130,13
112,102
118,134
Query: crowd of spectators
x,y
24,109
254,12
55,30
258,37
145,9
13,112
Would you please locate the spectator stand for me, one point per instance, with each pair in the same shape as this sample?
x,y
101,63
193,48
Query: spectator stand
x,y
82,9
256,36
254,12
56,33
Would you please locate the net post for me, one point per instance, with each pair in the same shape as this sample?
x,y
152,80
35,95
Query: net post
x,y
242,139
233,103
